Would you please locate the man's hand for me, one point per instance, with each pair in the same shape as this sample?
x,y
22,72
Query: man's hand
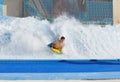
x,y
58,35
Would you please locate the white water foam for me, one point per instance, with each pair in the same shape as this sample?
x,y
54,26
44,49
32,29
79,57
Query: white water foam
x,y
27,38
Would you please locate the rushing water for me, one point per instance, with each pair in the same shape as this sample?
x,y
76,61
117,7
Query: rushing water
x,y
27,38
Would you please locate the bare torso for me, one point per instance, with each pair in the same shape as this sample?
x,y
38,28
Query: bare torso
x,y
58,45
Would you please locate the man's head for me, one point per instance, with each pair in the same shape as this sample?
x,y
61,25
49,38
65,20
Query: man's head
x,y
62,38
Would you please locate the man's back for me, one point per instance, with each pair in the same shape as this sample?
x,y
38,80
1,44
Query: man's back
x,y
58,44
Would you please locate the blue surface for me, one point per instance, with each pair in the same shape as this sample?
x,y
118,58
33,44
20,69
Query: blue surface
x,y
59,76
59,66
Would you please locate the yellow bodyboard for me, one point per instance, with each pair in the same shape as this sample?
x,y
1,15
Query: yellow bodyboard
x,y
56,50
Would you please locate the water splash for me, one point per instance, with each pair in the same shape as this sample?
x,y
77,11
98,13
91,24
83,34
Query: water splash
x,y
27,38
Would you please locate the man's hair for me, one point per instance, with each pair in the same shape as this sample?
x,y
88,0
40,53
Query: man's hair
x,y
62,37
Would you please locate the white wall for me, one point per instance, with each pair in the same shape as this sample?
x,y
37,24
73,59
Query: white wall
x,y
13,8
116,12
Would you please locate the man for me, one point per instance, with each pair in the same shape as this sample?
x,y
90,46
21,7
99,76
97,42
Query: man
x,y
59,43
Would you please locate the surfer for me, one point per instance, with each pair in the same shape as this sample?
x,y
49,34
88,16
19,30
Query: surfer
x,y
59,43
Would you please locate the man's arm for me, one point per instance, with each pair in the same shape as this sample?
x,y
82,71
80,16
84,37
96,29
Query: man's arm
x,y
58,37
53,44
62,47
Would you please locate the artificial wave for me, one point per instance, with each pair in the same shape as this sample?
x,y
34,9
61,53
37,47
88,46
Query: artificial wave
x,y
27,38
